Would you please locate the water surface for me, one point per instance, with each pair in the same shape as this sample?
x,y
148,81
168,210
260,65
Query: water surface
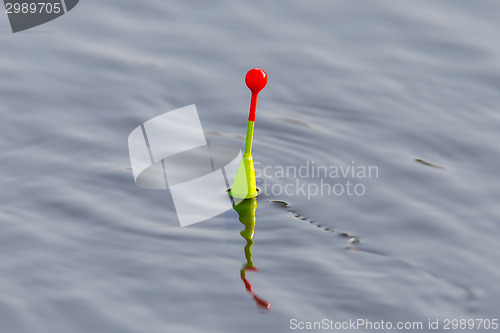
x,y
375,84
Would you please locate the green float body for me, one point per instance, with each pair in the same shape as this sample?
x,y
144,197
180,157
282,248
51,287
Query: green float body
x,y
244,185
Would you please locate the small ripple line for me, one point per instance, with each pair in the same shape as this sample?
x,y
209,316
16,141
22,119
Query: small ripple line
x,y
353,243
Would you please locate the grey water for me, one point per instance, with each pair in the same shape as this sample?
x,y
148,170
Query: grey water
x,y
410,89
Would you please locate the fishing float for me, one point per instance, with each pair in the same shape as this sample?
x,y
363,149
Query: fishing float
x,y
244,185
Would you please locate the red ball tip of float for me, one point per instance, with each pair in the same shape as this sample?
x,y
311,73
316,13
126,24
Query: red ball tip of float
x,y
256,80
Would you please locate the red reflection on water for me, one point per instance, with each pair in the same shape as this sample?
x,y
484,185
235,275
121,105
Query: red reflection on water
x,y
261,303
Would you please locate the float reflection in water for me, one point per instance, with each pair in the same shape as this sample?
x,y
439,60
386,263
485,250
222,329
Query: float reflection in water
x,y
246,211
